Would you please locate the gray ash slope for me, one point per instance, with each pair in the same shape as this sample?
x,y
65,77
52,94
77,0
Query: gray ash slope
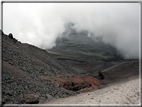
x,y
23,66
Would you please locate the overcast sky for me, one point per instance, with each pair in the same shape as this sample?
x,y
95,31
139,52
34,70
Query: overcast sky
x,y
41,23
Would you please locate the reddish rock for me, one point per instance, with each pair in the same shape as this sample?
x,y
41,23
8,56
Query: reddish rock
x,y
76,83
75,86
32,99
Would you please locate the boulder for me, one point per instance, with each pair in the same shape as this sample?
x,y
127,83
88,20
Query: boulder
x,y
75,86
76,83
101,75
31,98
10,35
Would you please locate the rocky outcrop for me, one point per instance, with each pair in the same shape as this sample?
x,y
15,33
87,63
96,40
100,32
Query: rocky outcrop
x,y
75,86
10,35
76,83
101,75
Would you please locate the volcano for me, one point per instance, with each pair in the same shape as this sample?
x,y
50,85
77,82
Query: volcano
x,y
33,75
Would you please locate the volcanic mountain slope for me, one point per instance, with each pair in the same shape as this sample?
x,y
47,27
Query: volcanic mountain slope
x,y
83,54
121,72
28,70
23,66
82,42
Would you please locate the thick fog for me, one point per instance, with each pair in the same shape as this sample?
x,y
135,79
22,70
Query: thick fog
x,y
41,23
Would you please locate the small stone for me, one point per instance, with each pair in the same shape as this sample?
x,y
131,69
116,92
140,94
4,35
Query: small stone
x,y
116,88
9,93
32,99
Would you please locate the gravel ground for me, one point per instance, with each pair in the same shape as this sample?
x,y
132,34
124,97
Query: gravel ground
x,y
122,93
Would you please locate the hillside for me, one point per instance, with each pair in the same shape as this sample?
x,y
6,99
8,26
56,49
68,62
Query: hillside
x,y
29,71
121,85
23,68
121,72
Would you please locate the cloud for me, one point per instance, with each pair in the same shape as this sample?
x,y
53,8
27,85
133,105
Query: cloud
x,y
41,23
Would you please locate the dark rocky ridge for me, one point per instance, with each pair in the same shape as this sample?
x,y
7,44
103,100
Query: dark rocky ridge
x,y
22,68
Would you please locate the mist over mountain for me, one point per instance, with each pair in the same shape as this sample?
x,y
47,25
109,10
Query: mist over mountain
x,y
81,42
41,24
57,50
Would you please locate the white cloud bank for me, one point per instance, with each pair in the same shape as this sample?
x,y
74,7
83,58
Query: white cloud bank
x,y
41,23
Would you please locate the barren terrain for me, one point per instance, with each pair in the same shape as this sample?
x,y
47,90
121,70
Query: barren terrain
x,y
122,93
44,76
